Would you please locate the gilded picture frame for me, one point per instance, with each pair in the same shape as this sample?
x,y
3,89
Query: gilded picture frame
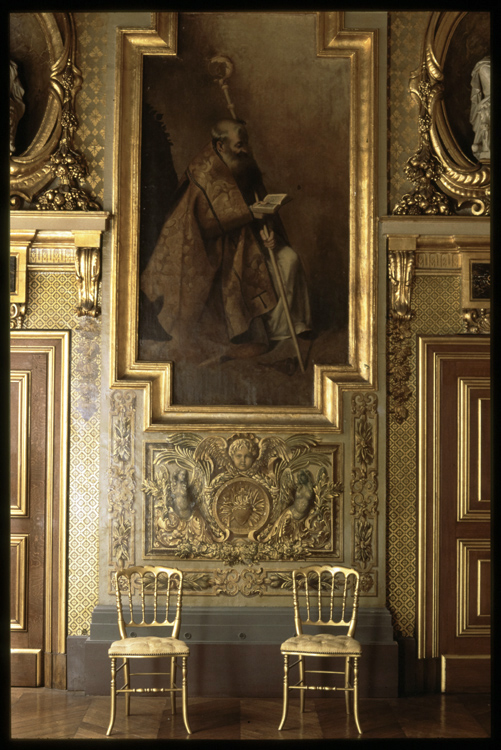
x,y
354,200
42,77
476,280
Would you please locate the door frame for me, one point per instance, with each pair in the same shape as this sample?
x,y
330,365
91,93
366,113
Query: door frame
x,y
55,345
428,479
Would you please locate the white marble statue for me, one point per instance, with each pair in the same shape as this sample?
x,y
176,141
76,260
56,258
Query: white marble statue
x,y
17,105
480,112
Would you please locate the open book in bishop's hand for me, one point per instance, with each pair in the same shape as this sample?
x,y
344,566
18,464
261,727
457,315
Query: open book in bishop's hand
x,y
271,203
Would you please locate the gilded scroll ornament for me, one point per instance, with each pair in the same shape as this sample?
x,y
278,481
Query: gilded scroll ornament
x,y
364,486
240,499
17,313
448,177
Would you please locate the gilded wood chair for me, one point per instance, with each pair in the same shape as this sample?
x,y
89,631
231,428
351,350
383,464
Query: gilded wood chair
x,y
326,597
166,588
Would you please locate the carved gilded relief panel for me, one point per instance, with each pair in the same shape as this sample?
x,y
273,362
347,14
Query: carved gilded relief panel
x,y
242,498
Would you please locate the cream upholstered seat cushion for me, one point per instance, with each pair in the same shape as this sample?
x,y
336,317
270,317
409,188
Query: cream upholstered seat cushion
x,y
322,643
149,646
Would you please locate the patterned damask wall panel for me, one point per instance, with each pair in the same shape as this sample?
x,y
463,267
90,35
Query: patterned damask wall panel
x,y
51,305
405,38
90,104
437,311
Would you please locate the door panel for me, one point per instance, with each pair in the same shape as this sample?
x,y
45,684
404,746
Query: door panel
x,y
39,390
454,509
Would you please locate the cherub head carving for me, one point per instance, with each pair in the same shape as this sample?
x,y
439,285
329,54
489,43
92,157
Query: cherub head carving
x,y
243,452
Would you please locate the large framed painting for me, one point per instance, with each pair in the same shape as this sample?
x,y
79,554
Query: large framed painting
x,y
244,257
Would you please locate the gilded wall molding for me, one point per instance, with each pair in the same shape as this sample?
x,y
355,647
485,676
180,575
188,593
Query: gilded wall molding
x,y
364,508
122,481
447,176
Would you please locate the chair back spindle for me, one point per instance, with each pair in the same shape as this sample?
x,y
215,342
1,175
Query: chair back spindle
x,y
317,589
139,582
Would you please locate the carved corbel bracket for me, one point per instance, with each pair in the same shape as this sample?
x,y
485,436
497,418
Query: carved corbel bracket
x,y
401,265
401,271
88,269
56,242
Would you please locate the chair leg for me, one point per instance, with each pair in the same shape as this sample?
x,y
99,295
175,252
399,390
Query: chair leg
x,y
302,693
355,693
347,683
127,686
286,691
113,698
173,664
185,693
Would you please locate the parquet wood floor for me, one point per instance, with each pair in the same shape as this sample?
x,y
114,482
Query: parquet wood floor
x,y
40,713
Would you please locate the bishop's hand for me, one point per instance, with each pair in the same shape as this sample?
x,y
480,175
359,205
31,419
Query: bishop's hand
x,y
268,238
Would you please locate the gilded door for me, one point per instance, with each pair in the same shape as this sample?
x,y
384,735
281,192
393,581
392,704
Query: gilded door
x,y
454,603
38,477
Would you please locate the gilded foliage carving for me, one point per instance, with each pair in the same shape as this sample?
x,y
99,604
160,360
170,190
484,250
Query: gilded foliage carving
x,y
423,169
122,479
477,320
240,499
364,487
401,270
67,164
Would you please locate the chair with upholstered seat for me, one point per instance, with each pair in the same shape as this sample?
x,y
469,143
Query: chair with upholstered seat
x,y
165,585
324,597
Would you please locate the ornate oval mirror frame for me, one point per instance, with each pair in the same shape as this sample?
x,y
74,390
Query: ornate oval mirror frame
x,y
447,179
31,171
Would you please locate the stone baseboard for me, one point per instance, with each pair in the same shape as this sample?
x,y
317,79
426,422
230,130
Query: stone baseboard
x,y
234,652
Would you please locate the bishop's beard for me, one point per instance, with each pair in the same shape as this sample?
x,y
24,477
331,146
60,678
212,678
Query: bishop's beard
x,y
246,173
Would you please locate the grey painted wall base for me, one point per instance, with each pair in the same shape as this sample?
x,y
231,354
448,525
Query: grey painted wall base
x,y
234,652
